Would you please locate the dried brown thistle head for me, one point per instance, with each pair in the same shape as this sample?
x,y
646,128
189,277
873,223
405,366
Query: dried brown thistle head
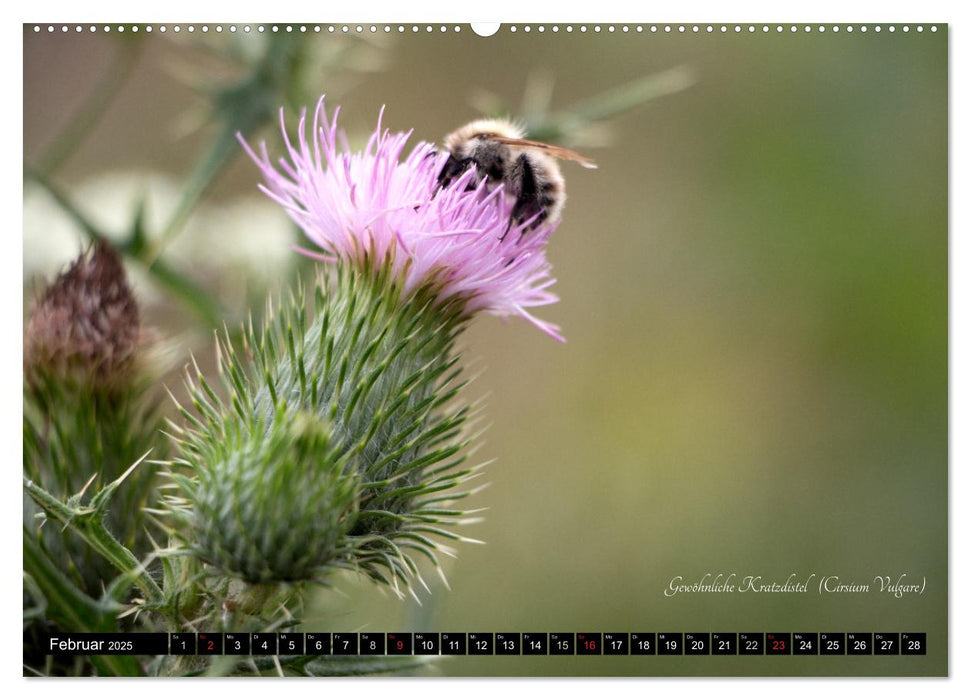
x,y
85,326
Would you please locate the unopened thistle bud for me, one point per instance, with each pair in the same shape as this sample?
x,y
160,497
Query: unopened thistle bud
x,y
274,506
84,329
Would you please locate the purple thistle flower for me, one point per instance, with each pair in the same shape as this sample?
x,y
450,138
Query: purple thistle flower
x,y
372,205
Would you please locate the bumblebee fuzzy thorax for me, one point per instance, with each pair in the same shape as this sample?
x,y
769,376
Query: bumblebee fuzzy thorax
x,y
501,155
480,130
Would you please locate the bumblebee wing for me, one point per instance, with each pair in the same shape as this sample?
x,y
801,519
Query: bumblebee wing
x,y
555,151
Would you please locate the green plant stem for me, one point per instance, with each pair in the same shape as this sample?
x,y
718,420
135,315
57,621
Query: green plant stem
x,y
220,151
255,597
87,523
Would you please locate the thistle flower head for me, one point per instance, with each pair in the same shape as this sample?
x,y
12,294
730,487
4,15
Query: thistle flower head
x,y
372,205
85,325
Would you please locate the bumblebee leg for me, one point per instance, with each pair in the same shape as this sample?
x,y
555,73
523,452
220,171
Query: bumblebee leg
x,y
453,168
506,232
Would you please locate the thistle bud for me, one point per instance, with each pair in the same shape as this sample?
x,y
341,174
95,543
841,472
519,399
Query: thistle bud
x,y
274,507
84,329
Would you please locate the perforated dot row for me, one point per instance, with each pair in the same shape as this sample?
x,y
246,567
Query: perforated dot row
x,y
514,28
721,28
246,28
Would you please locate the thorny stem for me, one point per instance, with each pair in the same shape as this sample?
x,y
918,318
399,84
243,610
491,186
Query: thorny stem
x,y
87,523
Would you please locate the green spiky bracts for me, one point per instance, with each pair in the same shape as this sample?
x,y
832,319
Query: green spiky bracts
x,y
338,442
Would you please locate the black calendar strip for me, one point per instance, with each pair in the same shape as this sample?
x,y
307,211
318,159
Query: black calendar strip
x,y
494,643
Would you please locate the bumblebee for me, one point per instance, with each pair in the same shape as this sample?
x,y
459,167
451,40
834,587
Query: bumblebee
x,y
527,169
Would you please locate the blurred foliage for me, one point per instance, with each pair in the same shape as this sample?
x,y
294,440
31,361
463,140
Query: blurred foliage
x,y
581,124
257,76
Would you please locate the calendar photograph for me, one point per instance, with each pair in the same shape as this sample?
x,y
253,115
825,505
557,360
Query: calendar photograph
x,y
513,350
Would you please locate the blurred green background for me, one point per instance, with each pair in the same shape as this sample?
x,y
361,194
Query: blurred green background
x,y
753,288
